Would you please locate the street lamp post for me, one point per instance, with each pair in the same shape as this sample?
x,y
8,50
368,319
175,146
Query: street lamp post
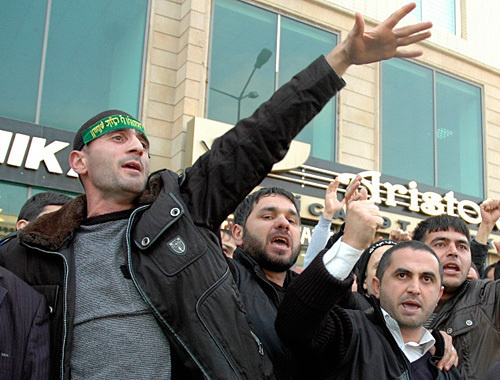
x,y
261,60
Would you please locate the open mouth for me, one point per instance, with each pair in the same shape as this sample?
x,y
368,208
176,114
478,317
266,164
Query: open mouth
x,y
451,268
132,165
280,240
411,306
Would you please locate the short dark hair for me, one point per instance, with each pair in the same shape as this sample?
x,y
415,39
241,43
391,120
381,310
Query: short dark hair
x,y
440,223
37,202
245,208
415,245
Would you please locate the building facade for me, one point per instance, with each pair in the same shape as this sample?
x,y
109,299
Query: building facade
x,y
424,132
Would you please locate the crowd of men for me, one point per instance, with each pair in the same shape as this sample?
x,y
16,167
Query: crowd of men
x,y
130,280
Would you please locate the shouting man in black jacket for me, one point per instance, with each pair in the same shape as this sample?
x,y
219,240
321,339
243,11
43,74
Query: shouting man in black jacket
x,y
387,341
267,232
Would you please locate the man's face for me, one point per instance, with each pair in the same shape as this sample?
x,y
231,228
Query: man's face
x,y
410,288
453,250
371,267
117,164
272,233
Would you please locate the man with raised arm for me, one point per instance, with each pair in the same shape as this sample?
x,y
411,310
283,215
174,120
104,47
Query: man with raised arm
x,y
133,270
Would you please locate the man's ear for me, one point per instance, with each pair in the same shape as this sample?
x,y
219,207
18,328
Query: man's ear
x,y
77,162
21,223
440,294
238,235
376,286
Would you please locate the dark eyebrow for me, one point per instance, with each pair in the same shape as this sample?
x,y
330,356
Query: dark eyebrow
x,y
404,270
442,238
273,208
430,274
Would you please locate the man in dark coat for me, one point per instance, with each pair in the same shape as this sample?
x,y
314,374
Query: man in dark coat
x,y
469,310
267,232
387,341
24,330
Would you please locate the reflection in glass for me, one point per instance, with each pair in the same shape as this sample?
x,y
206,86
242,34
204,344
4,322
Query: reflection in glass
x,y
241,33
261,60
459,136
407,121
21,36
94,60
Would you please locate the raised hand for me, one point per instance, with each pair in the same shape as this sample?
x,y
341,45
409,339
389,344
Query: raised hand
x,y
332,204
490,213
362,221
382,42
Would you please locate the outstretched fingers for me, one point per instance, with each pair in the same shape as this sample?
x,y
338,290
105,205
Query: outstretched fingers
x,y
410,30
397,16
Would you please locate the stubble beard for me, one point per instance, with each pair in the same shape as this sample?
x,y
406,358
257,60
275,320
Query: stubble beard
x,y
273,263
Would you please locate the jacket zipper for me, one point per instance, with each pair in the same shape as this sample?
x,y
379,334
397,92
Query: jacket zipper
x,y
259,343
65,306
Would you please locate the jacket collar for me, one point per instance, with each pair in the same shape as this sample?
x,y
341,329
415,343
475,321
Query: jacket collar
x,y
375,314
249,262
51,231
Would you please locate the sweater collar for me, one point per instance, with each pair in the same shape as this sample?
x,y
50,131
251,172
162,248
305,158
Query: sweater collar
x,y
51,231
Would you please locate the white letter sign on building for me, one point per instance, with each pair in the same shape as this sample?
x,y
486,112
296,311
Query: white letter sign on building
x,y
34,155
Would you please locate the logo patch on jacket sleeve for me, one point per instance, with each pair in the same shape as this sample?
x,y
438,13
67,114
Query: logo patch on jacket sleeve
x,y
177,245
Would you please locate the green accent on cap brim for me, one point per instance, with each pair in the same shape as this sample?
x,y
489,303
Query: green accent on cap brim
x,y
111,123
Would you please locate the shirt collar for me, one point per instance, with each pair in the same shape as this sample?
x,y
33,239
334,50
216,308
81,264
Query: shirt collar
x,y
412,350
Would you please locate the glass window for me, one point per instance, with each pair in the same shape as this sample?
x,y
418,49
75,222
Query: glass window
x,y
407,120
243,64
21,30
435,122
238,83
94,60
310,42
442,13
459,136
94,55
12,197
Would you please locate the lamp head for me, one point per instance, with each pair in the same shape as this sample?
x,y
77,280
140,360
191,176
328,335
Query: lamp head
x,y
262,58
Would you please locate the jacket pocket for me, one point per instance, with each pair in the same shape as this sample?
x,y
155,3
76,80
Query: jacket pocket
x,y
166,233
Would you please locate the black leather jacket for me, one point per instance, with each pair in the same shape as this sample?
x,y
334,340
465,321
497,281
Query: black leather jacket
x,y
472,318
261,300
172,242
